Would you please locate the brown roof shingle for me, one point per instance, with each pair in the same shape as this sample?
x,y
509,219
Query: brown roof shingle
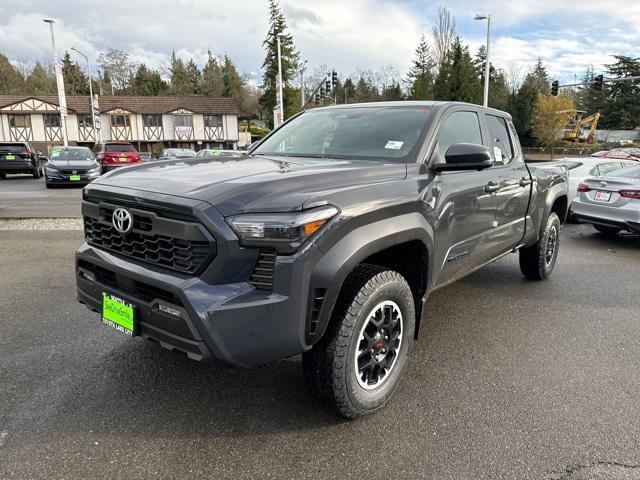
x,y
136,104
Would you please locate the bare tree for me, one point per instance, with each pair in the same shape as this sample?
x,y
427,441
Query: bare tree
x,y
386,76
513,78
444,33
118,67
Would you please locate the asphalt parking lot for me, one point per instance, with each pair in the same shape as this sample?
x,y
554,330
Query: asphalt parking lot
x,y
510,379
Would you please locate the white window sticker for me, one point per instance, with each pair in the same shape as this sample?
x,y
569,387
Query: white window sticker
x,y
55,154
497,153
391,145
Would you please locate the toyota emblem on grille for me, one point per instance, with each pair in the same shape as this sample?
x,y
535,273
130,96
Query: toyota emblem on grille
x,y
603,184
122,220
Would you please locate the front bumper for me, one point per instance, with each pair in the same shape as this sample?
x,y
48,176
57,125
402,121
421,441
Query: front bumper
x,y
232,323
59,179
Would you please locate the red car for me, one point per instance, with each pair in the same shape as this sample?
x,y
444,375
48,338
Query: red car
x,y
619,154
112,155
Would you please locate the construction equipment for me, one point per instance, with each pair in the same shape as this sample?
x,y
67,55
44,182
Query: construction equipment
x,y
577,134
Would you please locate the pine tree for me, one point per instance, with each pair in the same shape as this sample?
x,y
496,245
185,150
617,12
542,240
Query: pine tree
x,y
349,91
457,79
622,109
211,82
11,81
75,81
232,83
193,73
539,78
278,25
420,78
180,83
40,81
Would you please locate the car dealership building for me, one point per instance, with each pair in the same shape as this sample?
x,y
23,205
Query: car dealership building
x,y
150,123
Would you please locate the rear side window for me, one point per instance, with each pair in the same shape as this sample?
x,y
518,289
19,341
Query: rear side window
x,y
460,127
500,139
119,147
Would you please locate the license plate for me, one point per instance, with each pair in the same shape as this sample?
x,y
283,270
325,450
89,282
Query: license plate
x,y
602,196
123,159
118,314
74,178
10,157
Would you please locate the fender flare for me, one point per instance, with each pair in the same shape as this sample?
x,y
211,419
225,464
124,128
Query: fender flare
x,y
556,191
341,258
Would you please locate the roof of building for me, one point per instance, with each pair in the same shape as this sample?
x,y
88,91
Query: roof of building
x,y
132,103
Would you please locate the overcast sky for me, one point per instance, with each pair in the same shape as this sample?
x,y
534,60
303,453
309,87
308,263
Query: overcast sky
x,y
344,34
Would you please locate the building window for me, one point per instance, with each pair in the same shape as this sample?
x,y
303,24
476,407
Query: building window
x,y
183,120
85,120
120,121
20,121
152,120
213,120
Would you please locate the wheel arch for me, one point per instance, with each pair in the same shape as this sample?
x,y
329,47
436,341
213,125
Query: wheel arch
x,y
393,243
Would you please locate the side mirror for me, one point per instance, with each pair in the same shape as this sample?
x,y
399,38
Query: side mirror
x,y
465,156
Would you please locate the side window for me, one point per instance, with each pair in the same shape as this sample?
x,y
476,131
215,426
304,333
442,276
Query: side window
x,y
500,139
460,127
605,168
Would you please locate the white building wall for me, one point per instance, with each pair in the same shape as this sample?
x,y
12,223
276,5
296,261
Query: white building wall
x,y
72,128
198,126
167,126
230,124
4,127
37,127
105,121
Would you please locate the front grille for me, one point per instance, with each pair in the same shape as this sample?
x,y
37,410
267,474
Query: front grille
x,y
73,172
262,275
174,253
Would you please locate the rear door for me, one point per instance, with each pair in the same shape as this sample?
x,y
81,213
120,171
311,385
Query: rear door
x,y
512,198
466,203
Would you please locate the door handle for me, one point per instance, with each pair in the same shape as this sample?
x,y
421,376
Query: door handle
x,y
525,182
492,187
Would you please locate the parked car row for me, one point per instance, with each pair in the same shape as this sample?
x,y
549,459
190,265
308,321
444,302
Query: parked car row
x,y
80,165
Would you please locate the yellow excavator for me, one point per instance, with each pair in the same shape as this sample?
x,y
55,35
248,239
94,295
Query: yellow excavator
x,y
577,135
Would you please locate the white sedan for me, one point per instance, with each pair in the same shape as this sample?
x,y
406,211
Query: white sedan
x,y
581,168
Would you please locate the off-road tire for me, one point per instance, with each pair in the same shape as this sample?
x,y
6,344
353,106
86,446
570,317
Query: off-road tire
x,y
534,261
607,230
329,367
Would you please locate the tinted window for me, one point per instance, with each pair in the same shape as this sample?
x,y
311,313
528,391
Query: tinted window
x,y
119,147
500,138
571,165
13,147
371,133
460,127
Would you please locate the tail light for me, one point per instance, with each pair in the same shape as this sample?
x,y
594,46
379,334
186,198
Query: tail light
x,y
583,187
635,194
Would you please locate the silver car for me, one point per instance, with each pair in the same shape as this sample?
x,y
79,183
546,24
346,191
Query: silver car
x,y
610,202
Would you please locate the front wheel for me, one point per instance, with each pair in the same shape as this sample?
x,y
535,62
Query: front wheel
x,y
356,368
538,260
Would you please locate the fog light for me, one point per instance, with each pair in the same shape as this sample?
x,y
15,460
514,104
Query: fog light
x,y
90,277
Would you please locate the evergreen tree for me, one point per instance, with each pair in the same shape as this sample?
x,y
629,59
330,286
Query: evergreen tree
x,y
393,92
349,93
278,25
420,78
40,81
539,78
193,72
522,108
180,83
233,85
211,82
622,109
457,78
155,85
11,81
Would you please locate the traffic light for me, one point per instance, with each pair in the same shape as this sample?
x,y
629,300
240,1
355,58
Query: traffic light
x,y
322,94
555,86
327,84
317,99
598,82
334,79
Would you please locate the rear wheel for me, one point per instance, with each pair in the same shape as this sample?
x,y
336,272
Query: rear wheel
x,y
607,230
538,260
3,176
36,172
356,368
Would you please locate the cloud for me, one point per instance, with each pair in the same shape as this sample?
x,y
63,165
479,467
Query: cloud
x,y
347,36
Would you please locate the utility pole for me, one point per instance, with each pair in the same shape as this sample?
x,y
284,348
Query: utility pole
x,y
62,101
302,100
93,112
487,59
280,97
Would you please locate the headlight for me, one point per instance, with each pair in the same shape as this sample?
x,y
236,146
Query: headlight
x,y
93,171
51,169
283,231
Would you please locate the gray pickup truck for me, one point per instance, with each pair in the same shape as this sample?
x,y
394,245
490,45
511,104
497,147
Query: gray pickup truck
x,y
325,239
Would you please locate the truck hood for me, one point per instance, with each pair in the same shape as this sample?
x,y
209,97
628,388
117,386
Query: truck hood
x,y
253,183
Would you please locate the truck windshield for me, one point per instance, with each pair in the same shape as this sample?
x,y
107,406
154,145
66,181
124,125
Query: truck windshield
x,y
382,133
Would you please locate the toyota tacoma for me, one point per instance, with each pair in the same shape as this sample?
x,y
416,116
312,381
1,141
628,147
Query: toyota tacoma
x,y
325,239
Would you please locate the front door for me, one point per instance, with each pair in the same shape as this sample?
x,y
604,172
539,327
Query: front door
x,y
465,203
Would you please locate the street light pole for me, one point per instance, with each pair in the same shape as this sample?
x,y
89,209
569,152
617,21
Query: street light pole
x,y
302,99
280,77
62,101
93,114
487,60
